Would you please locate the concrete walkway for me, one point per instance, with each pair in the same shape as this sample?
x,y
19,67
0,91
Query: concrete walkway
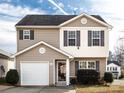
x,y
40,90
118,82
69,89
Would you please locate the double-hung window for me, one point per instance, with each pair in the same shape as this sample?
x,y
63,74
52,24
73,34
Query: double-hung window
x,y
114,68
87,65
71,38
26,34
91,65
107,68
82,65
96,38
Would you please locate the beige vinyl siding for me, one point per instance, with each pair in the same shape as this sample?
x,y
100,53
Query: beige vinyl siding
x,y
34,55
50,36
77,23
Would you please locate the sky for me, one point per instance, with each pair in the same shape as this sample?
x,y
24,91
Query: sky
x,y
11,11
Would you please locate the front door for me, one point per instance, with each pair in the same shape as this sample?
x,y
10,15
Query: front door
x,y
61,71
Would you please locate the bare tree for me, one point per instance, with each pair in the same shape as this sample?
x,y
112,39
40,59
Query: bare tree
x,y
111,56
119,51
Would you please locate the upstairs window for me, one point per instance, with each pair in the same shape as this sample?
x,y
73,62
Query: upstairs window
x,y
26,34
71,38
95,38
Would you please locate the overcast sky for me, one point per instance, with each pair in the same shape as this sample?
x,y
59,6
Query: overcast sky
x,y
11,11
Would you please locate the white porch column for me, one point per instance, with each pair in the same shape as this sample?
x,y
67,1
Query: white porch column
x,y
67,72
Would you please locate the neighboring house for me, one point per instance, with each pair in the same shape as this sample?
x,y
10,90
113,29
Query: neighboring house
x,y
6,62
115,68
51,48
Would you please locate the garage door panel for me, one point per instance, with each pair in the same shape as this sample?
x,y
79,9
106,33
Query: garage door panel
x,y
35,73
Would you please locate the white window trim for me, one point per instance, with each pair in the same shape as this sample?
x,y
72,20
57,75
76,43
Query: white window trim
x,y
96,38
26,34
87,65
71,38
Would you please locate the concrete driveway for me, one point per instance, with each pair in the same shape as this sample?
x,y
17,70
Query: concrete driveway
x,y
40,90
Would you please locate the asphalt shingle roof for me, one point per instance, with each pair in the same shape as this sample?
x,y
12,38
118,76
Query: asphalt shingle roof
x,y
49,20
115,62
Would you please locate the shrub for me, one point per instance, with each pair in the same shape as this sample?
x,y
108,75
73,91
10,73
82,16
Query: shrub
x,y
2,80
122,73
12,77
121,77
73,81
108,77
88,76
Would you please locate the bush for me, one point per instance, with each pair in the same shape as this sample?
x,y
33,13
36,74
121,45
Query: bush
x,y
108,77
122,74
2,80
73,81
12,77
121,77
88,76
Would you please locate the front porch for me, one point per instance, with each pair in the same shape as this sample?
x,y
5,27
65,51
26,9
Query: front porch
x,y
66,69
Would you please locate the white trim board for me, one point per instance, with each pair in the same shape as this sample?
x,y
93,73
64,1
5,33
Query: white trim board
x,y
32,26
42,42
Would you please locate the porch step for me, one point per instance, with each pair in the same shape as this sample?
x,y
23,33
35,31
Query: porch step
x,y
61,84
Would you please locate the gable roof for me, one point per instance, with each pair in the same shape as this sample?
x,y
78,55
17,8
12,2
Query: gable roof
x,y
4,54
46,44
96,18
114,62
49,20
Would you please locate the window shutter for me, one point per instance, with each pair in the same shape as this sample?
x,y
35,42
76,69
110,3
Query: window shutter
x,y
20,34
76,67
102,38
31,34
78,38
65,38
89,38
97,65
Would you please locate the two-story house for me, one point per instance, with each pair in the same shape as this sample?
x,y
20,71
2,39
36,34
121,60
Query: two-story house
x,y
51,48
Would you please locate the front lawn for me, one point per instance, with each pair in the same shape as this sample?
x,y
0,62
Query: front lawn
x,y
99,89
3,82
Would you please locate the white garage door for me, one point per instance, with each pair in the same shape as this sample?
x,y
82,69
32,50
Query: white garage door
x,y
34,73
